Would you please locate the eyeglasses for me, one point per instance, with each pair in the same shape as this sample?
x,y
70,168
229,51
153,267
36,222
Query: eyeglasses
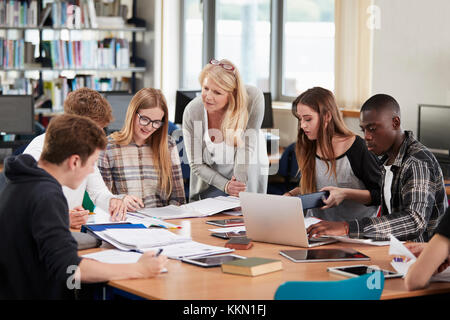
x,y
144,121
226,66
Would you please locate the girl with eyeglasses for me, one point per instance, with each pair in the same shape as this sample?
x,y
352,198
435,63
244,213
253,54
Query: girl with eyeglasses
x,y
221,128
142,159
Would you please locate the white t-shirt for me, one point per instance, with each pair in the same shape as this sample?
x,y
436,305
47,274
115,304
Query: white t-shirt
x,y
93,184
387,187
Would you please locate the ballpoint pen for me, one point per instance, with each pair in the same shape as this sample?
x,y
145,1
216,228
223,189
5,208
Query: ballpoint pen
x,y
159,252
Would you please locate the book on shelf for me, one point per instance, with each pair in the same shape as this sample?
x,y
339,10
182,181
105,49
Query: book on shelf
x,y
253,266
16,54
18,13
109,53
57,89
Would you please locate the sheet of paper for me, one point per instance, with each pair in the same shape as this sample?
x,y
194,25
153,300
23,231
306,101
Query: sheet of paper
x,y
399,250
210,205
309,221
114,256
191,249
143,238
360,241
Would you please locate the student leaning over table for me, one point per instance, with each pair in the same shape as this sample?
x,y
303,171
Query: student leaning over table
x,y
413,193
142,159
333,158
225,147
39,256
89,103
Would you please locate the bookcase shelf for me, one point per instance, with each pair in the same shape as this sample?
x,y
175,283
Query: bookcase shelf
x,y
112,29
131,69
77,57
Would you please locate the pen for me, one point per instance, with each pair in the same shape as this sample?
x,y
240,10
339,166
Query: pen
x,y
159,252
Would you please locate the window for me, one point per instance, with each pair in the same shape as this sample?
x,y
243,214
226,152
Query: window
x,y
281,46
192,38
243,37
308,51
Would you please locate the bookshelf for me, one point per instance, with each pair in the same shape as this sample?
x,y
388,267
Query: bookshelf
x,y
73,44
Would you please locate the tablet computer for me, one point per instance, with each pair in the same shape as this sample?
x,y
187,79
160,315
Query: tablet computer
x,y
323,255
234,222
313,200
359,270
212,261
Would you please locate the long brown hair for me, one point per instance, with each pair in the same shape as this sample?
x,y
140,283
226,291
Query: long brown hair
x,y
324,103
148,98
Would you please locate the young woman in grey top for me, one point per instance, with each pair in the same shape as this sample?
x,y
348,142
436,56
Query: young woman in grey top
x,y
221,130
332,158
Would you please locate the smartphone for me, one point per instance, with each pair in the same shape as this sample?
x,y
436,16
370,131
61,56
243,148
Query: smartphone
x,y
359,270
228,235
212,261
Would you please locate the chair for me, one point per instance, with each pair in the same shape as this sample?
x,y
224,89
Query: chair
x,y
177,134
366,287
288,176
2,181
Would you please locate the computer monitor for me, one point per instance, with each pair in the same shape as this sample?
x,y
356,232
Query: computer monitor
x,y
119,102
17,114
434,129
268,113
182,99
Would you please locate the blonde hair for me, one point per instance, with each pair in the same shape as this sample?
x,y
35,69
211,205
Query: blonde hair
x,y
148,98
323,102
236,116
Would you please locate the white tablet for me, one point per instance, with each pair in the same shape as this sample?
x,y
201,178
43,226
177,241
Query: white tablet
x,y
359,270
212,261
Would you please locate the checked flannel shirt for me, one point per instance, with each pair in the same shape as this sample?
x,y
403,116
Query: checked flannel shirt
x,y
418,198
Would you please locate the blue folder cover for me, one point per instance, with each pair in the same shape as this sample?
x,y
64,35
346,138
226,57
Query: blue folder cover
x,y
101,227
313,200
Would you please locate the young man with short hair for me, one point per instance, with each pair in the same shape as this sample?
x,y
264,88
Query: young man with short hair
x,y
412,194
38,253
89,103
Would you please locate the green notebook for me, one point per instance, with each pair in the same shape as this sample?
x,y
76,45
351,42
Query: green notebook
x,y
253,266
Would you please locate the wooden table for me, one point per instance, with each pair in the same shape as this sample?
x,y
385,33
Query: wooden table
x,y
189,282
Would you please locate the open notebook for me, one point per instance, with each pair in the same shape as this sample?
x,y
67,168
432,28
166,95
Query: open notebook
x,y
174,246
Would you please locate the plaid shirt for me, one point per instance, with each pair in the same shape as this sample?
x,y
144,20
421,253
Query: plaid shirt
x,y
418,197
129,170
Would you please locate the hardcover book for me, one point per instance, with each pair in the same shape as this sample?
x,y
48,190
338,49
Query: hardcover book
x,y
254,266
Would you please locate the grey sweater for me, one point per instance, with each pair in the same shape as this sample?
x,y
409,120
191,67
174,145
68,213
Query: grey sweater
x,y
204,171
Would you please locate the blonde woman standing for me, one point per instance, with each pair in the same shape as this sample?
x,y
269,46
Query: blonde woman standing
x,y
221,128
141,159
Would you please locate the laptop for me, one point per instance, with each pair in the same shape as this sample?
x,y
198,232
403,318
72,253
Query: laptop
x,y
277,219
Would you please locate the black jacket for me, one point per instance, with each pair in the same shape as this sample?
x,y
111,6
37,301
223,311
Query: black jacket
x,y
38,254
